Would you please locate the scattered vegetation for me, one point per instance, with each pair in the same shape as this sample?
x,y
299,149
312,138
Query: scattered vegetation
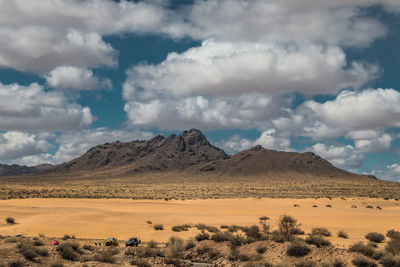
x,y
158,227
69,251
318,241
361,261
342,234
202,236
298,249
10,220
375,237
320,231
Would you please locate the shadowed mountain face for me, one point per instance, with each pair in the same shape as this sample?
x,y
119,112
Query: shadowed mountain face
x,y
191,152
159,153
17,169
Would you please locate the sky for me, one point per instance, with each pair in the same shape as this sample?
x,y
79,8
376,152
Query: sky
x,y
305,75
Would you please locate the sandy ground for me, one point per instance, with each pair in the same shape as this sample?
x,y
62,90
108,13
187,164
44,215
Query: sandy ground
x,y
123,218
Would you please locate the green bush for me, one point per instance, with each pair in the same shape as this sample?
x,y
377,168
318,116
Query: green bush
x,y
298,249
361,261
375,237
318,241
321,231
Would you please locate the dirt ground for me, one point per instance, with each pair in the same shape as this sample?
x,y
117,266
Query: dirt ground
x,y
123,218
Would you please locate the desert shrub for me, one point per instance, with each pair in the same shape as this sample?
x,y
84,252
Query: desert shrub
x,y
361,261
261,249
69,251
298,249
297,231
321,231
287,224
202,236
140,262
390,261
212,229
257,264
306,263
152,244
147,252
16,263
179,228
204,249
318,241
353,206
10,220
38,243
106,255
175,262
237,241
375,237
378,207
393,246
57,264
329,206
158,227
29,251
66,237
233,228
236,255
277,236
201,226
41,235
224,226
221,236
189,244
392,234
334,263
342,234
149,222
176,246
88,247
369,207
296,205
315,206
264,218
11,240
253,232
363,249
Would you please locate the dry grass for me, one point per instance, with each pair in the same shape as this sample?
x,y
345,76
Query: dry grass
x,y
187,186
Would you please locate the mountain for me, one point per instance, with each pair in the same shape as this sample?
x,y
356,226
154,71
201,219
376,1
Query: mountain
x,y
261,161
159,153
192,152
15,169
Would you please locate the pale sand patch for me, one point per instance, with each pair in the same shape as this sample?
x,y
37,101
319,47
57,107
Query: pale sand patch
x,y
123,218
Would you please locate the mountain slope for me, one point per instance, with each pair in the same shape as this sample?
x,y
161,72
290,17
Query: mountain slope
x,y
159,153
15,169
259,160
192,153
